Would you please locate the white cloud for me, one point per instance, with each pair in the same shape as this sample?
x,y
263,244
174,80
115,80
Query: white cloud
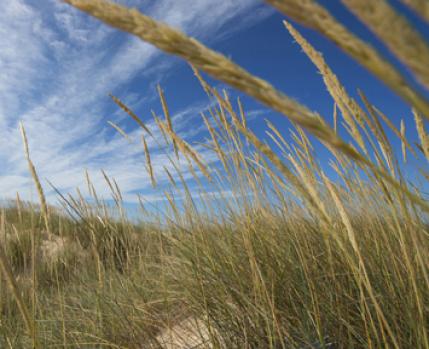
x,y
58,66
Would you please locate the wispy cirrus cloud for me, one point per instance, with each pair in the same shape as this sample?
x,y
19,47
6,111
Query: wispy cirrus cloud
x,y
58,66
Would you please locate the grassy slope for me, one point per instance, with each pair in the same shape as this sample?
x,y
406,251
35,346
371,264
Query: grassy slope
x,y
291,259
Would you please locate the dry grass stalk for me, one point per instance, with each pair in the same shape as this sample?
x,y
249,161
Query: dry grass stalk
x,y
158,123
337,91
351,111
335,118
173,205
374,122
187,150
118,190
310,14
170,177
396,32
242,114
167,116
310,184
403,148
378,132
19,207
42,199
217,147
130,113
120,130
277,142
91,188
284,145
395,130
111,187
148,162
424,139
421,7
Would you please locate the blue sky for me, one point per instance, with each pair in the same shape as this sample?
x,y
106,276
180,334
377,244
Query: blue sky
x,y
59,65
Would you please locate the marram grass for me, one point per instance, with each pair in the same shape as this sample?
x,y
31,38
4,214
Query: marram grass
x,y
269,252
421,7
313,15
217,65
396,32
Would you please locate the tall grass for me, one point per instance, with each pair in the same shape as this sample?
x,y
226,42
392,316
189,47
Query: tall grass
x,y
273,249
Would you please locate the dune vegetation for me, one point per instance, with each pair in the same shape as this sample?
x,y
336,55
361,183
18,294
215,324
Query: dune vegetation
x,y
274,249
